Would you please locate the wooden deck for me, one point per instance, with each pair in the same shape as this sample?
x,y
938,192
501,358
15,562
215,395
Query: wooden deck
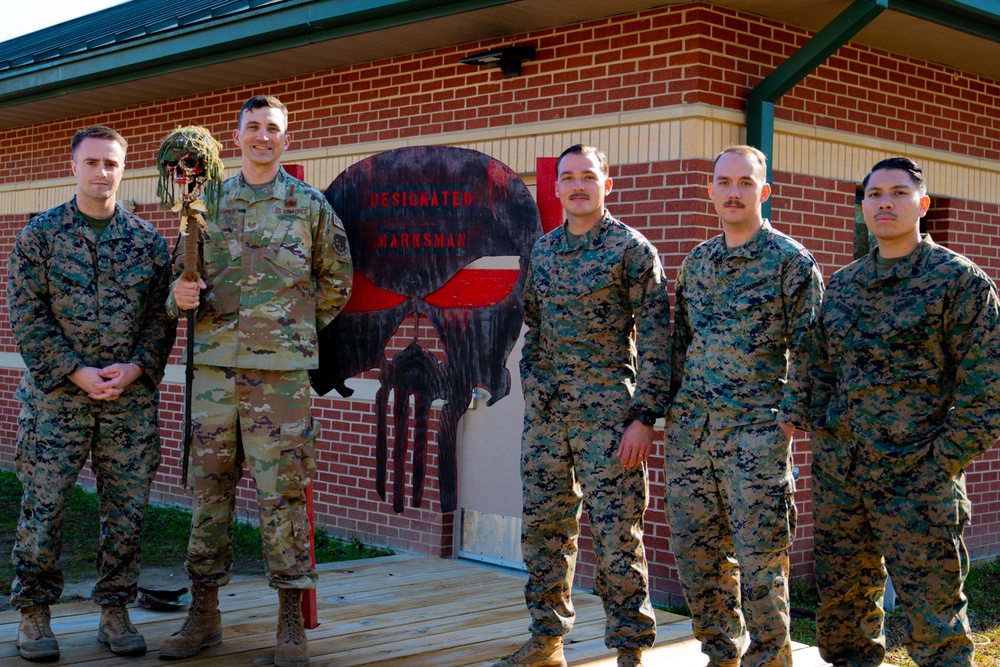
x,y
399,611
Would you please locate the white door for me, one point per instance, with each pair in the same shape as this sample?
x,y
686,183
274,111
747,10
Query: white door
x,y
489,474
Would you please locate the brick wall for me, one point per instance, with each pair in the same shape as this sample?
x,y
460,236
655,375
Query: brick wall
x,y
689,54
678,55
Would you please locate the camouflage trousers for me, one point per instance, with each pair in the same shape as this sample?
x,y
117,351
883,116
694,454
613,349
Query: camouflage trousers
x,y
913,512
731,513
52,448
565,466
263,418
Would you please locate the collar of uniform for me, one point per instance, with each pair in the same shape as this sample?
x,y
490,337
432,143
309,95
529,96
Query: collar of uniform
x,y
594,238
908,267
749,250
283,185
77,224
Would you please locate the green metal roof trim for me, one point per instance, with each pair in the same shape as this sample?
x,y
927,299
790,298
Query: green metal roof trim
x,y
116,25
975,17
144,38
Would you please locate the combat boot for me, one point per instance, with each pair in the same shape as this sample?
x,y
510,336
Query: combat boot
x,y
116,630
35,640
202,627
539,651
630,657
292,649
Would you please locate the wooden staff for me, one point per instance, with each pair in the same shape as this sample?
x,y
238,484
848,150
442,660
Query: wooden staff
x,y
190,208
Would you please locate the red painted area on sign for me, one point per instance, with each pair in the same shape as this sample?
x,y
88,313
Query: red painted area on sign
x,y
469,288
295,171
549,207
475,288
367,297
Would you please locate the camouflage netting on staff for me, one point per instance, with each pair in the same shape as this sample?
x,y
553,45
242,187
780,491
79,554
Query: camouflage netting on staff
x,y
189,154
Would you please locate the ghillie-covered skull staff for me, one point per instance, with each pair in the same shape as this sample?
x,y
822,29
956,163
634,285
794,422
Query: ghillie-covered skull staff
x,y
190,168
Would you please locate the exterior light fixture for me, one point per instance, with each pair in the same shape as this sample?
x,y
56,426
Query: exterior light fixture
x,y
507,58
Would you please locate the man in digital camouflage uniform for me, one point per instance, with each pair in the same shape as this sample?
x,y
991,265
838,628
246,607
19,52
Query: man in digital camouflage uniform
x,y
907,394
593,390
745,305
276,269
87,288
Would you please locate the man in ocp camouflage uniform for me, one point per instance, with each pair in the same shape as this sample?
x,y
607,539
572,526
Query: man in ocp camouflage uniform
x,y
276,269
87,286
745,305
907,394
594,370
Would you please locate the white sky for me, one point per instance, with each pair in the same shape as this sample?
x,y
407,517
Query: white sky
x,y
23,16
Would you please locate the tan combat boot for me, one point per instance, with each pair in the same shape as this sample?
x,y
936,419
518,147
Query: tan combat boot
x,y
202,627
630,657
292,649
35,640
116,630
539,651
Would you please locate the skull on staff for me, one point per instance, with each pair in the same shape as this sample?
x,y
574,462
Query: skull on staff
x,y
189,166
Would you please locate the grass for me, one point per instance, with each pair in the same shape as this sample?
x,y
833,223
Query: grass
x,y
982,588
164,538
805,602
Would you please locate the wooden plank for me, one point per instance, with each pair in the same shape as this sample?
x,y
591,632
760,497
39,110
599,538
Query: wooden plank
x,y
457,647
459,641
808,656
400,611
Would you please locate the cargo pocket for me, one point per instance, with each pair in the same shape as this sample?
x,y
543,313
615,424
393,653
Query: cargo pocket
x,y
953,512
776,517
931,541
297,464
25,454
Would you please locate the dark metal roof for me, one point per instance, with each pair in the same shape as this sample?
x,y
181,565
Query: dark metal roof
x,y
119,24
147,50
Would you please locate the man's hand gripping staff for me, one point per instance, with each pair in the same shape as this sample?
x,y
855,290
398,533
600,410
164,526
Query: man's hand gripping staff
x,y
190,166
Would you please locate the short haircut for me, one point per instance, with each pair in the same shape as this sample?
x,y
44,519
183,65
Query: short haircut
x,y
584,149
97,132
904,164
258,102
750,153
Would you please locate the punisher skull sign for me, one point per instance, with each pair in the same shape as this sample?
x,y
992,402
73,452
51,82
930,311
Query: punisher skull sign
x,y
440,233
